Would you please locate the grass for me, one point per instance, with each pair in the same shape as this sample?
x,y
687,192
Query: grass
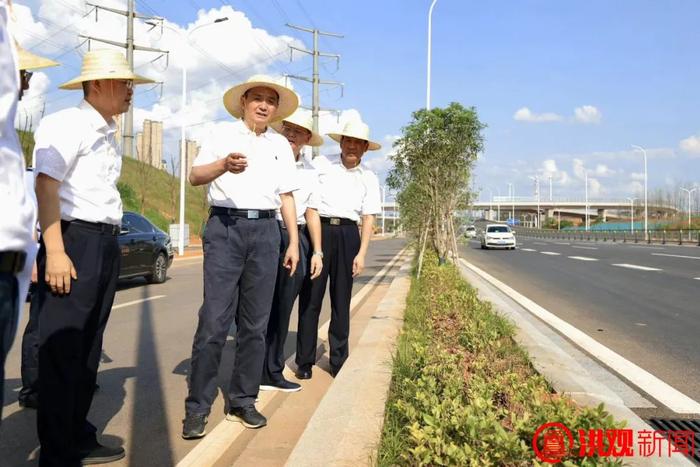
x,y
462,391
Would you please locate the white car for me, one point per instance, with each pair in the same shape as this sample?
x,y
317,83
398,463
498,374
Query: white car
x,y
470,232
498,236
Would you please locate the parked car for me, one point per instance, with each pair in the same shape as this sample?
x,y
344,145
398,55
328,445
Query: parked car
x,y
470,232
146,250
498,236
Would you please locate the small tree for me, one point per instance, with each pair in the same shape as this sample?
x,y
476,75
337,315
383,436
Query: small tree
x,y
433,161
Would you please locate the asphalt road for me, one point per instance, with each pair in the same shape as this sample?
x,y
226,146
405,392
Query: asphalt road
x,y
641,301
145,360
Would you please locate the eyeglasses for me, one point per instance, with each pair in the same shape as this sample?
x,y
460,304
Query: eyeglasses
x,y
128,83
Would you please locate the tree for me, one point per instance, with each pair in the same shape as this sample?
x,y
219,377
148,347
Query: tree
x,y
433,161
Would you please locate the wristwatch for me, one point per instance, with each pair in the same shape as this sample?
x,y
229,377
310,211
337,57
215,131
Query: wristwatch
x,y
318,253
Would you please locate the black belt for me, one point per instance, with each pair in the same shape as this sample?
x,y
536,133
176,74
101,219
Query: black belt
x,y
12,262
300,227
337,221
101,227
245,213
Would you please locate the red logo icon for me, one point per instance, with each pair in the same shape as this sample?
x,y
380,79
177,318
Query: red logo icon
x,y
556,442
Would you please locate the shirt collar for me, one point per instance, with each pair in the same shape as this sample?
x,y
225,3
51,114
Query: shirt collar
x,y
359,168
95,118
243,129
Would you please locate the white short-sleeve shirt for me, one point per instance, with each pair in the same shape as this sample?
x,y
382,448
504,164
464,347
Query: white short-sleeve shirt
x,y
77,147
343,192
307,196
270,170
17,212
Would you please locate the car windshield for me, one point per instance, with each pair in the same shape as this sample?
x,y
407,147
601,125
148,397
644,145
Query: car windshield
x,y
498,229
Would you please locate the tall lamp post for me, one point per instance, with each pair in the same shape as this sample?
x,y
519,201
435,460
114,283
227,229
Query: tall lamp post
x,y
511,192
586,178
631,200
689,205
383,203
490,203
646,178
430,42
537,194
183,146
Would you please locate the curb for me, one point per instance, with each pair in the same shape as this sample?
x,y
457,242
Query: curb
x,y
550,357
347,425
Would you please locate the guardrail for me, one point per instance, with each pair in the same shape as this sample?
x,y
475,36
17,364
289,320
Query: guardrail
x,y
665,236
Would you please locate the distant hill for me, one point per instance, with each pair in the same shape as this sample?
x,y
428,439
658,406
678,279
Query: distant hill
x,y
149,191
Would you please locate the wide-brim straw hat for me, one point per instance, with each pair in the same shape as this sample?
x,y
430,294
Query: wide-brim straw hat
x,y
30,61
104,64
358,130
300,119
288,100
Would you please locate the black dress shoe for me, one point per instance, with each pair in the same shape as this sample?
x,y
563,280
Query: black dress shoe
x,y
248,416
193,426
304,372
283,386
29,401
99,454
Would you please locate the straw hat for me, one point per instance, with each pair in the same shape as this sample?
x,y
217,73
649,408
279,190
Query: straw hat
x,y
299,119
30,61
104,64
358,130
288,100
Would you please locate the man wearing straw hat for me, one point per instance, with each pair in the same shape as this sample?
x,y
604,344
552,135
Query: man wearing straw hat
x,y
78,163
17,209
349,193
298,130
241,248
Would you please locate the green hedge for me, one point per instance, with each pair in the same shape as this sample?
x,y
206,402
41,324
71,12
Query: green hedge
x,y
462,392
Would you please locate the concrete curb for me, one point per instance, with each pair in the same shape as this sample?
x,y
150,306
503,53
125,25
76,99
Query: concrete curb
x,y
346,427
552,358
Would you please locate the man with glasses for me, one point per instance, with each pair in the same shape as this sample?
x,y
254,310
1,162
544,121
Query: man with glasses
x,y
80,210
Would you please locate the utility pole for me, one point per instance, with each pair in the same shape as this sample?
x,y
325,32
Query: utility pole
x,y
315,80
128,126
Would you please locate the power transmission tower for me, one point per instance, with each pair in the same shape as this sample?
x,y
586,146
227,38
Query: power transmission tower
x,y
128,127
314,79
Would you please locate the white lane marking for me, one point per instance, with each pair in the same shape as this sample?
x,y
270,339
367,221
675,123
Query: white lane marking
x,y
219,440
675,256
655,387
526,249
697,278
538,243
585,247
562,243
550,253
647,247
136,302
583,258
640,324
636,266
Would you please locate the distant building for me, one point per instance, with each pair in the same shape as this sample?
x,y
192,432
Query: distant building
x,y
149,144
191,151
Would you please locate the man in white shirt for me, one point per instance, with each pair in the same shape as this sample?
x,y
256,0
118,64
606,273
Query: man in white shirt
x,y
298,129
78,163
349,193
17,247
241,248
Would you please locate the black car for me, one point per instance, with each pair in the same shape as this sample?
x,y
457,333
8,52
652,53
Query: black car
x,y
146,250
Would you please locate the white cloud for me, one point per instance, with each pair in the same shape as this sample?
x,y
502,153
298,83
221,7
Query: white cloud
x,y
579,168
602,170
31,106
691,145
637,176
587,114
595,189
524,114
549,169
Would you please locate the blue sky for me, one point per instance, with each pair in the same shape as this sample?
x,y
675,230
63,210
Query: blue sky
x,y
629,67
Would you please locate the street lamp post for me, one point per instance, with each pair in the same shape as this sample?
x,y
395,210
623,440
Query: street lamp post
x,y
537,193
490,203
383,209
631,200
430,41
550,188
586,178
646,179
511,192
689,206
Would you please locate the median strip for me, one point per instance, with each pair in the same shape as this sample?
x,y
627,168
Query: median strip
x,y
636,266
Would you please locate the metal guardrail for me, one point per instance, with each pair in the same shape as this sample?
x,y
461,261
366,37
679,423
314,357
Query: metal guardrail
x,y
665,236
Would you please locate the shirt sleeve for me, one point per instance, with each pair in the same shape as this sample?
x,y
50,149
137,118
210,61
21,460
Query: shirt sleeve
x,y
289,178
55,148
372,203
314,189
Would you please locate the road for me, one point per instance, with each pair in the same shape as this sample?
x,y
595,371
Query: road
x,y
146,353
641,301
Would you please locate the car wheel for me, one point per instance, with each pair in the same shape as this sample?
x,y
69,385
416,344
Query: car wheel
x,y
483,247
160,267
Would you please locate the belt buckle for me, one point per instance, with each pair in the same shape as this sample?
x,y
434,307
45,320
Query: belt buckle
x,y
335,221
253,214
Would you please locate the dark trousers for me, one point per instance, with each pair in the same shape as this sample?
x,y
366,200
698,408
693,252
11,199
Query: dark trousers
x,y
70,343
240,268
30,353
286,292
9,288
341,243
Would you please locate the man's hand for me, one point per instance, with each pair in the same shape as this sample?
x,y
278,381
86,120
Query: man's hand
x,y
316,266
235,163
35,273
358,264
291,258
59,271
